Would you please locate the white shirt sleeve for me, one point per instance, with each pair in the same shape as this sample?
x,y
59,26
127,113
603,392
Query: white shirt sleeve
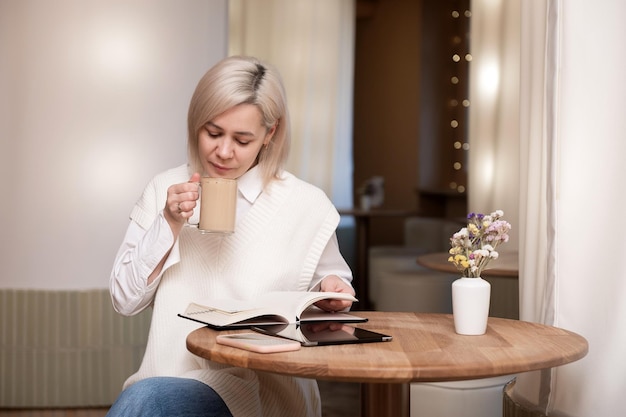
x,y
140,253
331,263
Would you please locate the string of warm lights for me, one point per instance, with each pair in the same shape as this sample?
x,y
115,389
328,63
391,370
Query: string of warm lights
x,y
459,102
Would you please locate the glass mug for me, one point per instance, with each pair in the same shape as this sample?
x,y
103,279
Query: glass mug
x,y
218,202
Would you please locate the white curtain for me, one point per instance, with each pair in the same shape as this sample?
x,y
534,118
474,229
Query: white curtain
x,y
571,146
312,45
493,115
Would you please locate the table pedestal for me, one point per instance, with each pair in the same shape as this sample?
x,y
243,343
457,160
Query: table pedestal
x,y
385,400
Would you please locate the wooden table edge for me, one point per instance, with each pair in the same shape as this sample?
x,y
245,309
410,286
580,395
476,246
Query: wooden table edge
x,y
283,363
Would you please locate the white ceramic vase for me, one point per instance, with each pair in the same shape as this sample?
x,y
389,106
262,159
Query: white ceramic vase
x,y
470,305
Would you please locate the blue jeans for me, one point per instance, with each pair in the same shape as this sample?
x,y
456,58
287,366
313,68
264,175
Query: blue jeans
x,y
167,397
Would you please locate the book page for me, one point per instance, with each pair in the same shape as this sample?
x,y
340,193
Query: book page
x,y
315,314
291,304
221,318
279,306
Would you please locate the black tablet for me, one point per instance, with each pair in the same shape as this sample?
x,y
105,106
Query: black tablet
x,y
323,333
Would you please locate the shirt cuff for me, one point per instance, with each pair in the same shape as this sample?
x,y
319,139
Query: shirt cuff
x,y
156,243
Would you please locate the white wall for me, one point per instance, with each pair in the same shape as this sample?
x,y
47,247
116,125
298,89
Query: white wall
x,y
93,102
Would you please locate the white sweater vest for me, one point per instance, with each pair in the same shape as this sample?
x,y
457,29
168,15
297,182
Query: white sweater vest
x,y
275,247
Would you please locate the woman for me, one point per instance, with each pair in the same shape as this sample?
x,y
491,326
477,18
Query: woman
x,y
238,127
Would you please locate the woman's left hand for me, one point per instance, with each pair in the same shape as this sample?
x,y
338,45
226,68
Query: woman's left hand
x,y
333,283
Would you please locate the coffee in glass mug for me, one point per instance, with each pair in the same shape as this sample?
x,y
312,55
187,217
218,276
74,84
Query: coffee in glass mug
x,y
218,201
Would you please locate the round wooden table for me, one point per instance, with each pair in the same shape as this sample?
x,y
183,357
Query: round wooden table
x,y
424,348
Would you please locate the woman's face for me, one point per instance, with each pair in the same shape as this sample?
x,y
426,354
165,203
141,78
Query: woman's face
x,y
229,144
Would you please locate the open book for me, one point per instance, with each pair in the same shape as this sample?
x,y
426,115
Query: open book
x,y
271,308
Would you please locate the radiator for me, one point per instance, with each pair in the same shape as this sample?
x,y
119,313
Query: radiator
x,y
66,348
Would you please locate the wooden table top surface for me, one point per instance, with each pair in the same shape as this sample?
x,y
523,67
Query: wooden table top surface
x,y
424,348
507,265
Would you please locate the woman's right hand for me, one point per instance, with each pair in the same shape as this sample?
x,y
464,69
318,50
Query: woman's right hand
x,y
181,201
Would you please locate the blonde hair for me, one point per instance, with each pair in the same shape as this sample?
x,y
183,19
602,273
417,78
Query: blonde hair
x,y
242,80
